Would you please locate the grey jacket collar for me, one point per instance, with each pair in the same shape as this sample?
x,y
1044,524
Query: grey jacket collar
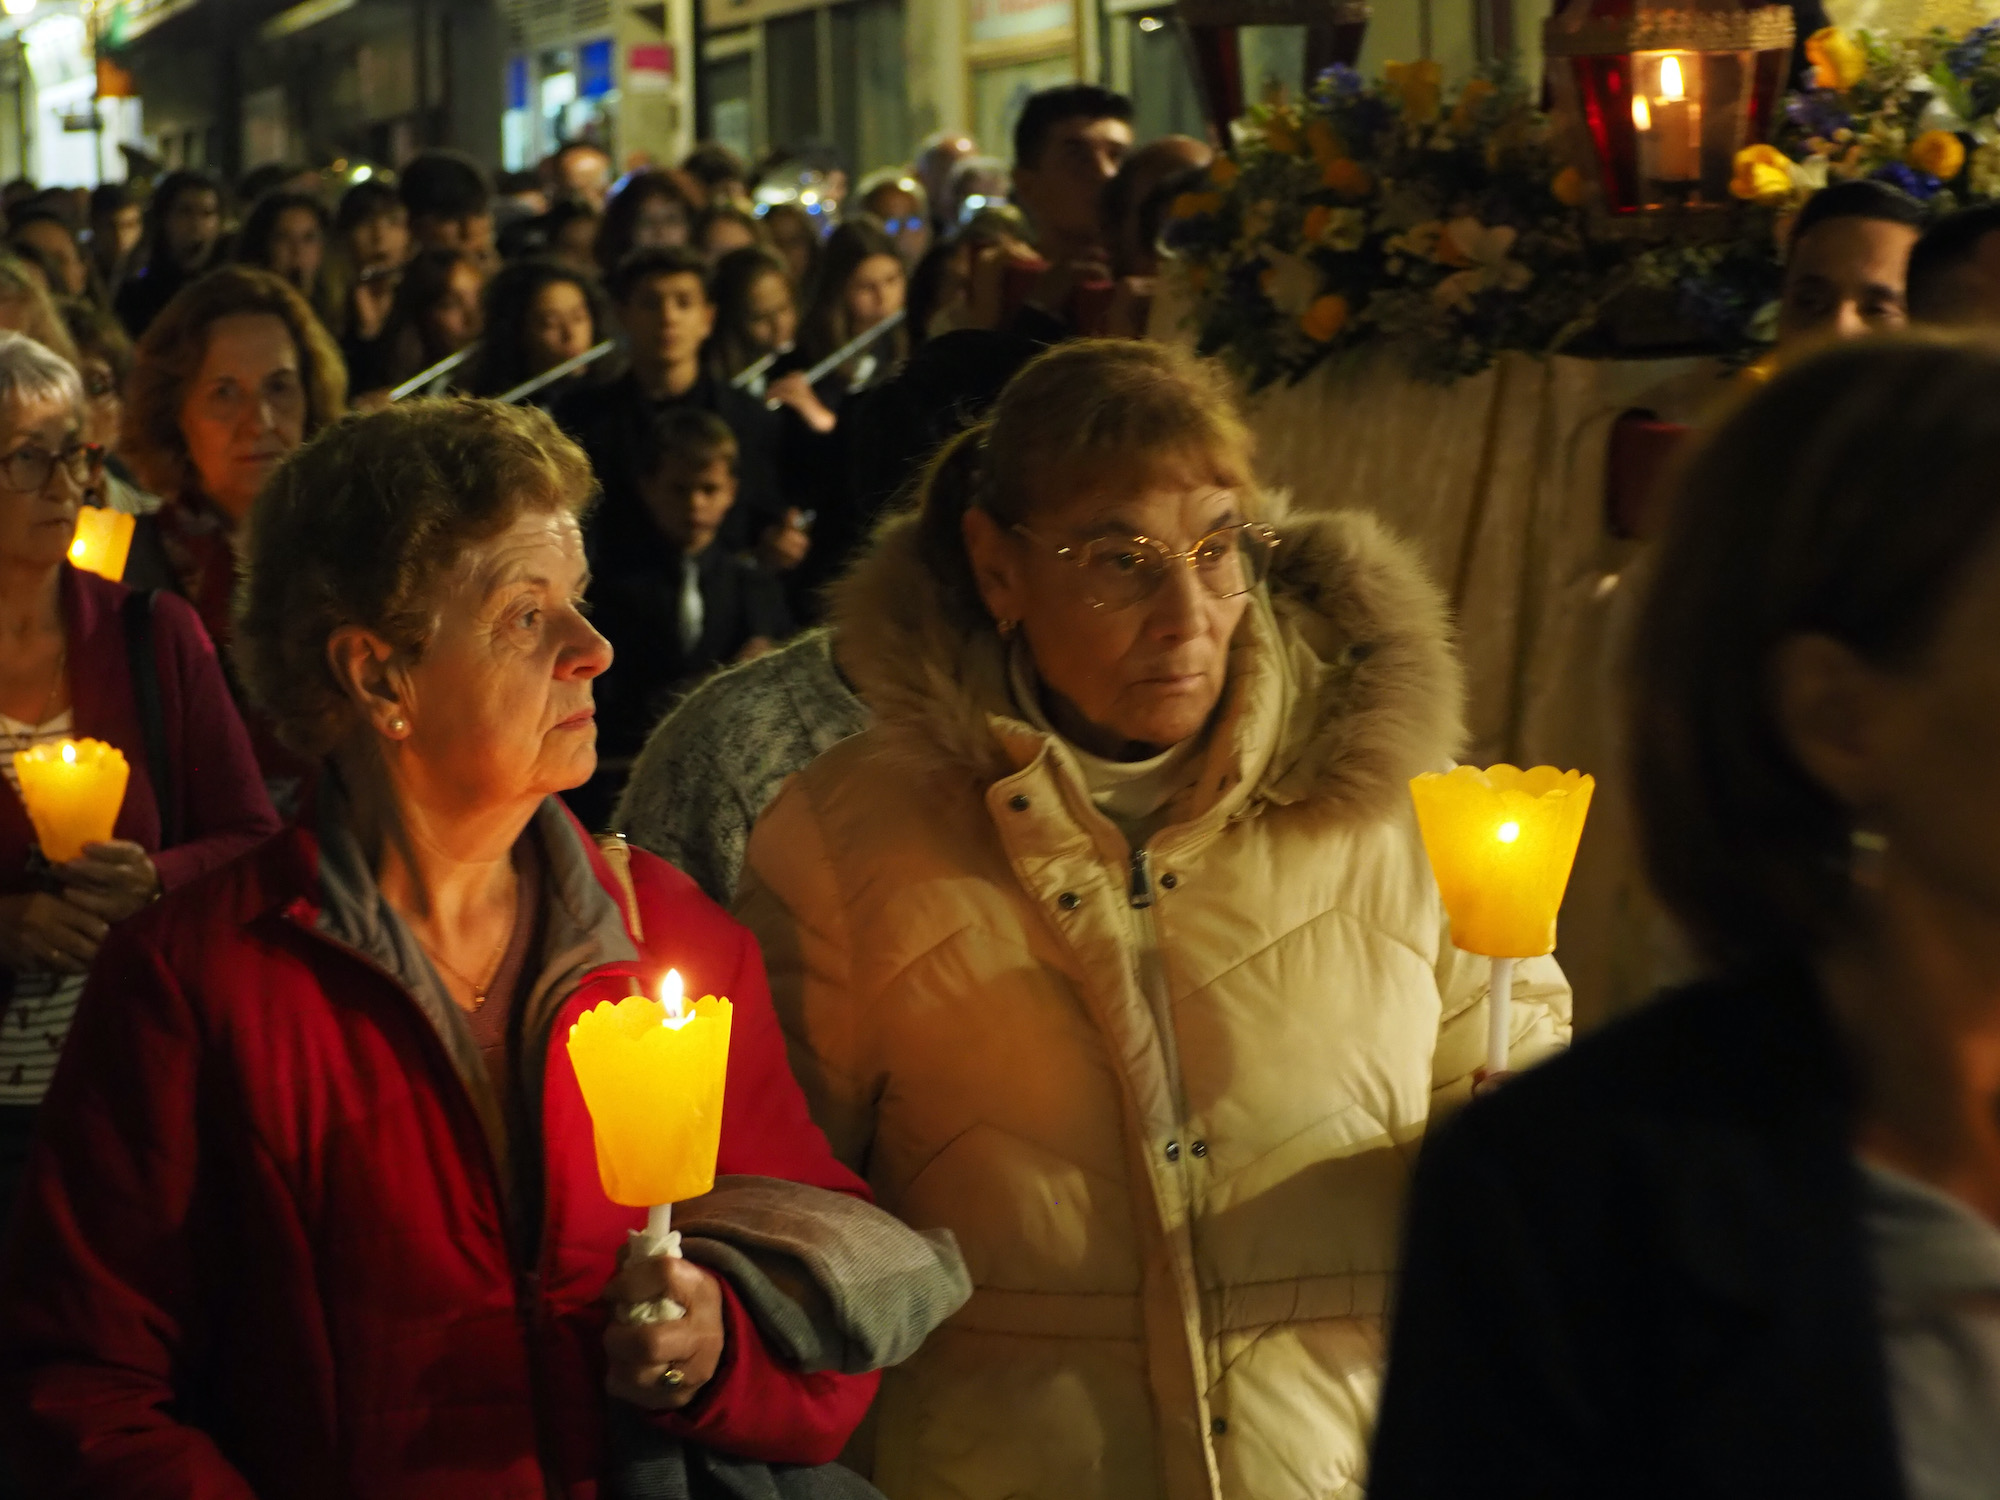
x,y
582,930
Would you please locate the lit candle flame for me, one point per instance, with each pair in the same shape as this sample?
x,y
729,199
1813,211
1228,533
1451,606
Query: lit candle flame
x,y
673,997
69,753
1671,84
1642,117
1509,832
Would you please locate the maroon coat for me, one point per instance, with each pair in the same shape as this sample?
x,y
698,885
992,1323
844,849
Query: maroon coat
x,y
222,806
263,1246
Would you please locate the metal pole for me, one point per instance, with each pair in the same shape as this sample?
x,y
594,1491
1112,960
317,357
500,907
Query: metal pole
x,y
569,366
848,350
435,373
750,374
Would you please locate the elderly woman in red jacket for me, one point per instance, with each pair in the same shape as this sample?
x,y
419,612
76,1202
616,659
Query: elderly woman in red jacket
x,y
318,1211
79,656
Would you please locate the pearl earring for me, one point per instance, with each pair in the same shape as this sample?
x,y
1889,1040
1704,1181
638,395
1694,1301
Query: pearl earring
x,y
399,725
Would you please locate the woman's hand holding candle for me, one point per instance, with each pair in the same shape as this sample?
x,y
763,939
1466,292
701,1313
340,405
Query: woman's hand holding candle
x,y
45,932
645,1358
111,880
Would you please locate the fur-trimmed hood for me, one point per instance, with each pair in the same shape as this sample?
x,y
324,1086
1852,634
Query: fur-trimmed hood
x,y
1343,680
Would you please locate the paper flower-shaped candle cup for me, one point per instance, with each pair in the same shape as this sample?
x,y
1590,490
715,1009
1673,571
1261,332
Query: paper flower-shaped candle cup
x,y
73,790
1501,843
103,541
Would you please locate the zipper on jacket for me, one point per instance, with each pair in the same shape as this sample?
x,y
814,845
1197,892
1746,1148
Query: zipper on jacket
x,y
1140,891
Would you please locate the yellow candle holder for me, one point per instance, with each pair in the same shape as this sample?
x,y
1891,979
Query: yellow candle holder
x,y
103,541
73,790
652,1076
1502,843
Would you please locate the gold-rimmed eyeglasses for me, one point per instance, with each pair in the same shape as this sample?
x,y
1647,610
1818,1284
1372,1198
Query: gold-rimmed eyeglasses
x,y
1121,571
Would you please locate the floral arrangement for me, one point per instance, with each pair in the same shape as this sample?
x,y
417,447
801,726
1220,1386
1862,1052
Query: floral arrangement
x,y
1388,211
1922,112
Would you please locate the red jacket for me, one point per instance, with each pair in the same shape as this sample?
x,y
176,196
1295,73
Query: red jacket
x,y
222,806
262,1247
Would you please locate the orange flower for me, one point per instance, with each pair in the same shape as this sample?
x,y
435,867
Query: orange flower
x,y
1223,172
1348,178
1837,59
1939,153
1569,187
1323,321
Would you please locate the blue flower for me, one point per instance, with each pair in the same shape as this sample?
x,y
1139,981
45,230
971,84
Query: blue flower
x,y
1817,112
1341,79
1966,58
1919,185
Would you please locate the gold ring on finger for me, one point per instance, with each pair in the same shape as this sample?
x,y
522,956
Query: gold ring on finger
x,y
672,1379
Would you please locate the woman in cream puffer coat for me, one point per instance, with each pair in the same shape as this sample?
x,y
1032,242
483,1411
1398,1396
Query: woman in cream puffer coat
x,y
1166,1096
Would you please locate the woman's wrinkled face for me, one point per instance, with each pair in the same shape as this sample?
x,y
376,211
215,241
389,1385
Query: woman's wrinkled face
x,y
1129,679
245,409
37,525
558,326
499,706
771,317
874,291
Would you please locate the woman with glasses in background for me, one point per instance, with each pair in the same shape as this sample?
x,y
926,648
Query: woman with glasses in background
x,y
1111,945
233,375
73,665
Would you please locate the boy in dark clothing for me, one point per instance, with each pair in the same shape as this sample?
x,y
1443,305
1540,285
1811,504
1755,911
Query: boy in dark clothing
x,y
661,300
679,602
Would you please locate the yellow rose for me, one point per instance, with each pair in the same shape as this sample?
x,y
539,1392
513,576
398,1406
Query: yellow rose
x,y
1280,135
1322,142
1314,227
1763,175
1939,153
1194,205
1569,187
1348,178
1474,94
1323,321
1420,85
1837,59
1223,172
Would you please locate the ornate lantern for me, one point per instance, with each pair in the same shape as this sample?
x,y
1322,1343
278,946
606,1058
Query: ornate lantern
x,y
1213,31
1656,97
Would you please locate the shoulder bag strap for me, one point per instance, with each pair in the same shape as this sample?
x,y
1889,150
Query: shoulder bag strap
x,y
152,716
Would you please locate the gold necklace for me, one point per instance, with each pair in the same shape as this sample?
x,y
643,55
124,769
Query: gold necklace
x,y
480,990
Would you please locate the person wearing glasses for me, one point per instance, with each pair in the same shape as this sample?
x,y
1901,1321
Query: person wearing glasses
x,y
70,669
234,374
1110,945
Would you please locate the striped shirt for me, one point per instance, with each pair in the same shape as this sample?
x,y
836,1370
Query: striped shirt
x,y
37,1018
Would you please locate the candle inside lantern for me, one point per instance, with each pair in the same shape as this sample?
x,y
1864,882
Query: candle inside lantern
x,y
73,790
652,1076
1501,844
103,541
1668,123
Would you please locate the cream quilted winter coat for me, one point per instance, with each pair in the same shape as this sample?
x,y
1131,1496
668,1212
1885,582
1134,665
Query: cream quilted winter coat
x,y
1166,1100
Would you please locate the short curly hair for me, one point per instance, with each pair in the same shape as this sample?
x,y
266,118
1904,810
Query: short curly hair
x,y
170,355
362,526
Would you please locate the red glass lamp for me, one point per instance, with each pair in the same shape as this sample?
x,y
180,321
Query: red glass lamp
x,y
1334,30
1655,98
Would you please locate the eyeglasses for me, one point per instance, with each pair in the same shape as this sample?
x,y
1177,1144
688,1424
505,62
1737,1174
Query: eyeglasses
x,y
1121,571
28,470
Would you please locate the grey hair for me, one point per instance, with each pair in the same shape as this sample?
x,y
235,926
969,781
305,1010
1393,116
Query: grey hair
x,y
32,374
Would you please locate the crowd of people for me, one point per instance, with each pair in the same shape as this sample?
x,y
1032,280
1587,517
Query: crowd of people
x,y
525,571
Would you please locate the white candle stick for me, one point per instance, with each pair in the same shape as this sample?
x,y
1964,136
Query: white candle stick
x,y
1499,1016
